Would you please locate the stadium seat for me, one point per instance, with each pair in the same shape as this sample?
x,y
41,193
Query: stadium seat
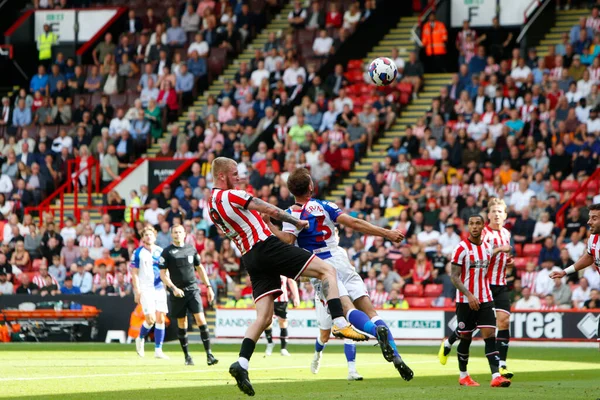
x,y
347,159
569,185
36,264
448,302
532,250
419,302
593,187
555,185
518,249
355,64
413,290
520,263
433,290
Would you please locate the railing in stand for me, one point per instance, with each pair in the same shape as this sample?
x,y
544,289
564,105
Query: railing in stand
x,y
72,185
560,215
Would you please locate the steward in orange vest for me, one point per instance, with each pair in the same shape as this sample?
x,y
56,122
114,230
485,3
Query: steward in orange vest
x,y
434,37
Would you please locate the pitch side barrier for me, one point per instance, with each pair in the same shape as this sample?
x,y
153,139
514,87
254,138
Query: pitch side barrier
x,y
557,325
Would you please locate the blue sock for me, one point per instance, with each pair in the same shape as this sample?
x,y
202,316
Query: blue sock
x,y
379,322
159,335
361,321
319,346
350,350
144,330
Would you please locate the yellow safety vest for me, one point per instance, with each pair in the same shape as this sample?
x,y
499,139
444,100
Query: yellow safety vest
x,y
135,203
45,43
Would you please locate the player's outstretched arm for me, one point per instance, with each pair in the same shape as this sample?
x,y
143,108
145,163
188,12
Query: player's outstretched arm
x,y
585,261
367,228
275,212
458,284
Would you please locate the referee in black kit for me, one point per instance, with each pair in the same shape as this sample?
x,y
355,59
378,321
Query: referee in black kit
x,y
177,264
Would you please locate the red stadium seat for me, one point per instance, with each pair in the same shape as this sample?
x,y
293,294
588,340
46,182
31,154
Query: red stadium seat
x,y
404,98
569,185
355,64
520,263
532,250
354,76
448,302
413,290
36,264
419,302
593,187
433,290
404,88
518,248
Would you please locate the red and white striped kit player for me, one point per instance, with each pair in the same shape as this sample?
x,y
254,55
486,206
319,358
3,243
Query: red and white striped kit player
x,y
474,261
378,299
528,279
593,249
284,298
497,269
244,227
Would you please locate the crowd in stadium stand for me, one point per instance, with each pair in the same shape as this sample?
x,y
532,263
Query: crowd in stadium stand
x,y
510,125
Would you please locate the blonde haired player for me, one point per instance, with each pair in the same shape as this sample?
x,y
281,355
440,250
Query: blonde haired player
x,y
149,291
499,239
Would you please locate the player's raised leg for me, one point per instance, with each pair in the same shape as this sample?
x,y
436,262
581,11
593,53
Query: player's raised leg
x,y
384,337
264,317
446,347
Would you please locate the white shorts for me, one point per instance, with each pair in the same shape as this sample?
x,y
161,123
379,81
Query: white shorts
x,y
153,300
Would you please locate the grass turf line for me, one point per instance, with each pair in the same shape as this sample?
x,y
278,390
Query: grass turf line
x,y
100,371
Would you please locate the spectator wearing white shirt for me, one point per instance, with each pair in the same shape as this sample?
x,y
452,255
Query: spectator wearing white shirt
x,y
434,149
398,61
520,198
152,213
290,76
584,85
5,286
428,239
6,185
593,278
119,124
259,74
199,45
477,129
528,301
342,100
107,236
593,122
583,110
581,294
573,95
576,248
69,231
351,17
62,141
83,280
543,284
449,240
322,44
520,72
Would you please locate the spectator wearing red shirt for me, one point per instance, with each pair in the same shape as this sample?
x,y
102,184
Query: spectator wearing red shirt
x,y
333,156
405,265
261,166
424,165
167,97
334,18
422,269
247,290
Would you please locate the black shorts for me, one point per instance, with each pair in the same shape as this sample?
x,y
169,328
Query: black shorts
x,y
468,320
190,301
268,260
280,309
501,299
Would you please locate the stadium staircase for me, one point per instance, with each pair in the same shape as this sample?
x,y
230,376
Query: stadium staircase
x,y
400,38
279,24
565,20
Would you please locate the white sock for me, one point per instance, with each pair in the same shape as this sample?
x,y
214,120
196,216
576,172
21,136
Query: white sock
x,y
502,364
351,366
463,374
496,375
147,325
340,322
244,363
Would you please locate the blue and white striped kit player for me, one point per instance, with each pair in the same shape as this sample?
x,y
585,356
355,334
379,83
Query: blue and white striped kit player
x,y
153,296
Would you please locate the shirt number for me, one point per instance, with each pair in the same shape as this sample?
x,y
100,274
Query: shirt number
x,y
325,230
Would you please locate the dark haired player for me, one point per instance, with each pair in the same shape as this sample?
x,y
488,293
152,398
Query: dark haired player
x,y
474,301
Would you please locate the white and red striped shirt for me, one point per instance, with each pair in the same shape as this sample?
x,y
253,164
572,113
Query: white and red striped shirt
x,y
545,307
526,111
593,249
474,261
371,284
593,23
488,117
454,190
512,187
497,269
229,211
528,279
594,74
86,241
110,279
556,73
378,299
336,136
41,282
284,298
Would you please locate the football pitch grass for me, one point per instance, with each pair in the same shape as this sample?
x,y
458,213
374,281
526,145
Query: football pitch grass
x,y
101,371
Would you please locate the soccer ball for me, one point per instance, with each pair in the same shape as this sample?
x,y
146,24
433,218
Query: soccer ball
x,y
383,71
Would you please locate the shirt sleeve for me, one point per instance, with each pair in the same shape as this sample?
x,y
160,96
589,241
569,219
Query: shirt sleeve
x,y
197,259
589,245
458,256
239,198
290,228
162,260
331,209
135,261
